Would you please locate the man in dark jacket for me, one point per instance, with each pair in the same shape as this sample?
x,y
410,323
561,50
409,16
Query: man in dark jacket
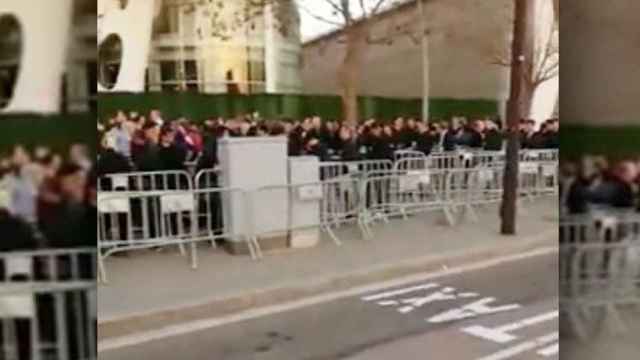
x,y
349,150
110,162
379,145
148,158
476,139
424,139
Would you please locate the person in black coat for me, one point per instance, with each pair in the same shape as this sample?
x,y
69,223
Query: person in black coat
x,y
622,184
148,158
424,139
17,235
349,149
476,139
379,144
110,162
451,137
171,154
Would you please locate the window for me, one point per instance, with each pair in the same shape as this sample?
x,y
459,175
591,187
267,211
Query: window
x,y
256,70
168,75
191,74
109,60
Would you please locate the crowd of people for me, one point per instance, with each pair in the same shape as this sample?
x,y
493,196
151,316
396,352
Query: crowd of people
x,y
150,143
47,199
598,182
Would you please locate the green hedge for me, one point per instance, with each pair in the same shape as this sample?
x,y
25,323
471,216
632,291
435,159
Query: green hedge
x,y
201,106
57,131
615,142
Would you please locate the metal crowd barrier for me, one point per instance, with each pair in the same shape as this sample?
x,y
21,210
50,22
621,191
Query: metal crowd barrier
x,y
130,221
599,270
333,169
362,192
48,305
407,154
146,181
207,178
540,155
392,194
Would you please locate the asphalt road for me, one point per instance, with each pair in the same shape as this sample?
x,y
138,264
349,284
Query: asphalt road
x,y
502,312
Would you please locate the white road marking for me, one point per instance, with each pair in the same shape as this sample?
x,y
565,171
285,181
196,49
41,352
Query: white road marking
x,y
523,347
476,308
444,294
550,350
501,334
205,324
397,292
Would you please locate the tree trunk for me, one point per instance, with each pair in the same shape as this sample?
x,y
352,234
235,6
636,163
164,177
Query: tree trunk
x,y
349,74
522,56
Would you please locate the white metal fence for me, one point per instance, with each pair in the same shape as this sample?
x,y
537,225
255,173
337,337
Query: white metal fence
x,y
599,270
48,305
363,193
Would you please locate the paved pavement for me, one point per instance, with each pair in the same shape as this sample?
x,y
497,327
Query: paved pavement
x,y
149,289
506,311
606,345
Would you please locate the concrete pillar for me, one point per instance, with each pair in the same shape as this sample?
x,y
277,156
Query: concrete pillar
x,y
45,34
249,164
600,67
77,85
133,25
271,56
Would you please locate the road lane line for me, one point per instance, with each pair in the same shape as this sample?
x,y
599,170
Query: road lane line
x,y
550,351
523,347
501,334
206,324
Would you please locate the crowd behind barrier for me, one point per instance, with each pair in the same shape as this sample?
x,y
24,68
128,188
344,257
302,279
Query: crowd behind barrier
x,y
141,143
593,182
363,193
47,254
599,247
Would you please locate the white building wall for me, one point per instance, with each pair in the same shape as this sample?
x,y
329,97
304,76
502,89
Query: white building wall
x,y
45,34
133,26
465,37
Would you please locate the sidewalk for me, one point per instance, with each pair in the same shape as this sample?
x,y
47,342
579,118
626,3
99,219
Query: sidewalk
x,y
149,290
606,345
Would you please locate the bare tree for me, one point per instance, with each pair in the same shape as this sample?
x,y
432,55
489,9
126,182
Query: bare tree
x,y
355,18
544,67
519,99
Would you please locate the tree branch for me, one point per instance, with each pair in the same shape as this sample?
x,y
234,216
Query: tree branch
x,y
320,18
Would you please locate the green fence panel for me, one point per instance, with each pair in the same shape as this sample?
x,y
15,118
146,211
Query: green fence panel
x,y
56,132
368,107
292,106
268,105
615,142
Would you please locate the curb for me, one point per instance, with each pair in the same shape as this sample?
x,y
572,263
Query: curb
x,y
259,298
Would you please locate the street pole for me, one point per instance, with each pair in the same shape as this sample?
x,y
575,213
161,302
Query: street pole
x,y
181,44
425,61
521,56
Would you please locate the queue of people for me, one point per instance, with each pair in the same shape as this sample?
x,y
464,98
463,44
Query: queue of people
x,y
597,182
47,200
134,142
